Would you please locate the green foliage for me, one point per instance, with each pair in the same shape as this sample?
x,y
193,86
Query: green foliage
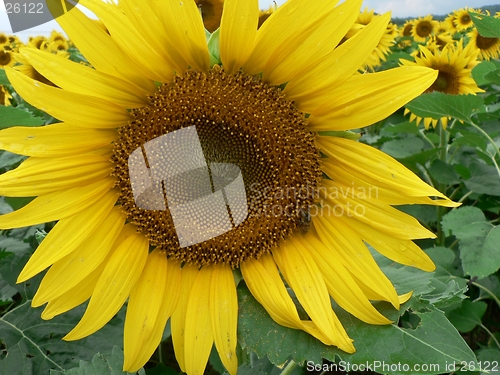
x,y
487,26
3,78
14,116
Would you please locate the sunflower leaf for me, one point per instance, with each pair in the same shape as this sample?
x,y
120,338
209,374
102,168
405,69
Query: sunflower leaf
x,y
437,105
13,116
468,315
3,78
480,71
34,346
101,364
478,240
487,26
434,340
483,179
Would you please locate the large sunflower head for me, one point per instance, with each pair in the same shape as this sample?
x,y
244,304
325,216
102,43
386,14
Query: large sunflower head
x,y
175,163
423,28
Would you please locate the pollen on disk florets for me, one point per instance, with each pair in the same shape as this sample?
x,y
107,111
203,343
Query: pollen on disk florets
x,y
240,121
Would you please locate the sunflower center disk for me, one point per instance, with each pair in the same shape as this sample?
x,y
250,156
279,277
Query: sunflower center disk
x,y
218,168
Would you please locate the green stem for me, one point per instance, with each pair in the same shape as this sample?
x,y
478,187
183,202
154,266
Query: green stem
x,y
492,295
497,150
422,133
160,353
289,368
443,153
491,335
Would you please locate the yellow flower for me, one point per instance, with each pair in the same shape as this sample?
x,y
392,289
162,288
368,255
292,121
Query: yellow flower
x,y
423,28
6,58
152,80
454,65
489,48
463,20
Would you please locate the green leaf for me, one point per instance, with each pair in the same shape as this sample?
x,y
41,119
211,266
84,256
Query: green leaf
x,y
213,48
468,316
493,77
491,285
484,179
470,139
490,360
3,78
478,240
480,71
487,26
402,148
438,104
13,116
461,217
34,346
443,173
435,340
101,364
8,160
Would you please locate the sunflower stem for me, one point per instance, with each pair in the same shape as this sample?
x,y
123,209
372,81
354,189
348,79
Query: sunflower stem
x,y
289,368
443,153
491,294
497,150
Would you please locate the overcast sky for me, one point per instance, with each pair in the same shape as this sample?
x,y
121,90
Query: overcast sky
x,y
399,8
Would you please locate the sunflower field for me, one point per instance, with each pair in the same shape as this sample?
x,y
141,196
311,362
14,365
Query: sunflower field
x,y
356,161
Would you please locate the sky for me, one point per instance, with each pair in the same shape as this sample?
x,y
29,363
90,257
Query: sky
x,y
399,8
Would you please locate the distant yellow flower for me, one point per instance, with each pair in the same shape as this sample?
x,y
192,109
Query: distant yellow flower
x,y
3,39
151,79
6,58
265,14
449,22
454,64
423,28
463,20
489,48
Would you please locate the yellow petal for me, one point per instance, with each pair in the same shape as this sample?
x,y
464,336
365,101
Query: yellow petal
x,y
363,188
341,286
145,17
38,176
171,297
380,216
367,98
73,297
62,72
265,284
54,140
224,314
401,251
286,62
143,312
91,40
238,30
83,110
198,336
56,205
113,288
348,248
182,22
276,31
178,320
131,41
313,87
304,277
74,267
370,163
67,235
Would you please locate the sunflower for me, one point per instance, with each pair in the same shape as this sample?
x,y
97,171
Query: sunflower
x,y
264,15
454,65
3,39
6,57
211,12
449,22
489,48
423,28
156,101
463,20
